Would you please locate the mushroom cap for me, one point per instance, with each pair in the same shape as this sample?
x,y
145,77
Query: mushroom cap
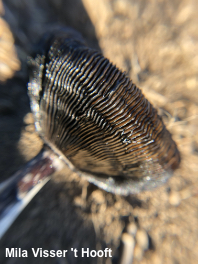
x,y
93,116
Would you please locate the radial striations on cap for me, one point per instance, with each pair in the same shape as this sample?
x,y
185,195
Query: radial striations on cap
x,y
92,114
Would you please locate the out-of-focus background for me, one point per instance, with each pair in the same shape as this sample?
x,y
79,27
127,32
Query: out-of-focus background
x,y
156,43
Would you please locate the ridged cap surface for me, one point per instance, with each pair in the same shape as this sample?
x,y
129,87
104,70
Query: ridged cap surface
x,y
92,114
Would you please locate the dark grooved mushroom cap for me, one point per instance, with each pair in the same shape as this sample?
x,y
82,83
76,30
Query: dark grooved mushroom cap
x,y
91,114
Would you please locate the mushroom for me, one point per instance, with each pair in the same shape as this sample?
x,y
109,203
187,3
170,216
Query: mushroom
x,y
94,119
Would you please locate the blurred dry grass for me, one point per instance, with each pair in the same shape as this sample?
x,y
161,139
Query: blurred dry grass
x,y
9,63
156,43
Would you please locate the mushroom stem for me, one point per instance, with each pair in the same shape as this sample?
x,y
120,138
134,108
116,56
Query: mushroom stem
x,y
19,189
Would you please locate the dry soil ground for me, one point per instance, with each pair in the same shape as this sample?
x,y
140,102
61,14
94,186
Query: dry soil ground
x,y
156,43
